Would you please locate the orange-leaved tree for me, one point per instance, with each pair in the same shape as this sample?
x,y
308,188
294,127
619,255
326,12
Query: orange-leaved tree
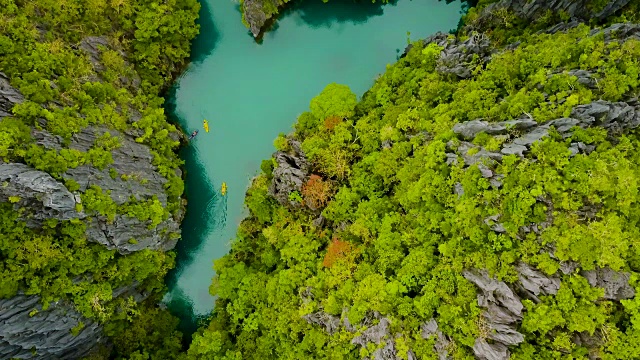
x,y
316,191
339,250
331,122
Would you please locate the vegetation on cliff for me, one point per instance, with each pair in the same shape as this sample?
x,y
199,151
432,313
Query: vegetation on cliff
x,y
480,199
79,67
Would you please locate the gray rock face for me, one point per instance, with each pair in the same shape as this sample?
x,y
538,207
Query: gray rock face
x,y
289,175
377,334
131,159
616,118
619,32
460,57
92,46
9,96
534,283
373,334
255,15
127,234
468,130
534,9
485,351
503,312
46,334
37,191
143,182
615,284
430,329
330,323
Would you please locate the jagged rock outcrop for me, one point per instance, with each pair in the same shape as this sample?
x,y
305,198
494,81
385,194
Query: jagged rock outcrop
x,y
330,322
127,234
579,10
137,179
28,332
9,96
377,334
534,283
37,192
616,118
94,46
615,284
430,329
459,57
503,312
372,334
61,332
256,16
494,351
503,308
291,172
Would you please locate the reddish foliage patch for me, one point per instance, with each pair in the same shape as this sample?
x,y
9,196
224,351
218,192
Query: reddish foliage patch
x,y
338,250
331,122
316,191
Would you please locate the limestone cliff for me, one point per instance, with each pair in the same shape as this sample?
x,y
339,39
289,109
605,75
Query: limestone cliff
x,y
28,328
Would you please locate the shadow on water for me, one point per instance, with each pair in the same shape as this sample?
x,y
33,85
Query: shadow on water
x,y
204,213
317,14
196,226
199,218
209,36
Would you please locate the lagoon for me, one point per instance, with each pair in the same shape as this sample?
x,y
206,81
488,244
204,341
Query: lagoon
x,y
250,92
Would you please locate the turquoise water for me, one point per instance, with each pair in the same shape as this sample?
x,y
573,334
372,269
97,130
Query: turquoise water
x,y
251,92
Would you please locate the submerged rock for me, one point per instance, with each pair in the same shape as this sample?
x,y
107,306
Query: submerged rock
x,y
28,332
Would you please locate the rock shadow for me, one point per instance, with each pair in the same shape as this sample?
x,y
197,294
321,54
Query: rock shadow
x,y
204,44
182,308
317,14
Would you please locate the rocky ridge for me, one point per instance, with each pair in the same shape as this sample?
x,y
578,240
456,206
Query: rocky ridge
x,y
61,332
501,301
530,10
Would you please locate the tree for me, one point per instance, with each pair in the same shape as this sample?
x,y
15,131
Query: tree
x,y
334,100
316,191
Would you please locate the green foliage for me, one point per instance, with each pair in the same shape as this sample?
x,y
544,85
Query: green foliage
x,y
96,201
66,92
334,100
398,233
151,210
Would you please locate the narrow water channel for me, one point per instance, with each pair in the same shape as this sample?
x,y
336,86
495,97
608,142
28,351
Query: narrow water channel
x,y
251,92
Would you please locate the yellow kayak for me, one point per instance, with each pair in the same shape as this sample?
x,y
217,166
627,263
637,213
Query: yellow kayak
x,y
223,190
206,125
